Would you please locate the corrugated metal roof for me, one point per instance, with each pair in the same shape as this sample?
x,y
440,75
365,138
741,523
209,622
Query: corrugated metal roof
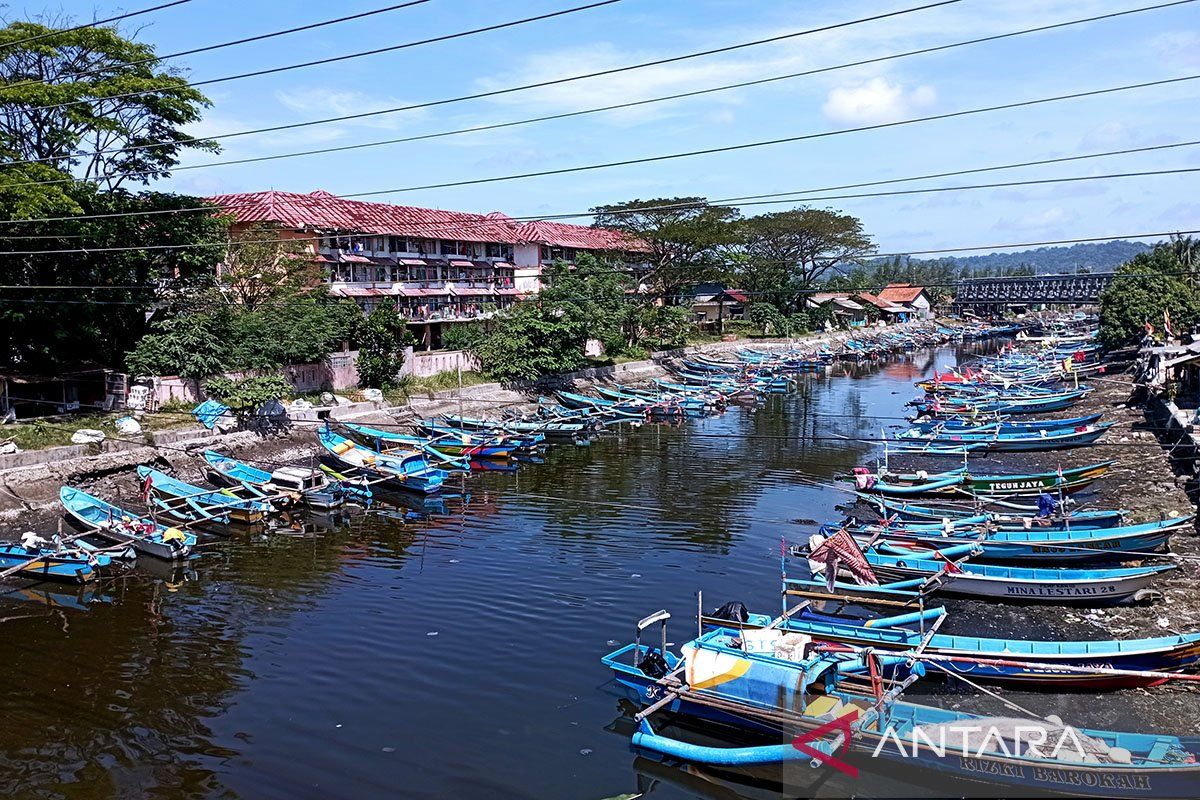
x,y
322,211
901,293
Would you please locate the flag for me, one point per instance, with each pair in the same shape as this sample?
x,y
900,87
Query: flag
x,y
147,485
951,567
840,549
1067,364
1149,328
1167,322
1060,475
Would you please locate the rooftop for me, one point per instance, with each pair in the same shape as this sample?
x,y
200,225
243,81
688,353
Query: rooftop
x,y
901,293
322,211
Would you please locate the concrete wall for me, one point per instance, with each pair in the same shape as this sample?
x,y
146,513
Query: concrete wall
x,y
424,365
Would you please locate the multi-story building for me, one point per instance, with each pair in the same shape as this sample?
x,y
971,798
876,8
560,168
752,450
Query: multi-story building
x,y
432,266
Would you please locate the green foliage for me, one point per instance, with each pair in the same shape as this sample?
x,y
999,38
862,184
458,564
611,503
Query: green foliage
x,y
98,325
533,339
246,395
461,336
88,101
788,251
1162,279
382,338
302,327
686,240
596,295
187,345
667,325
767,319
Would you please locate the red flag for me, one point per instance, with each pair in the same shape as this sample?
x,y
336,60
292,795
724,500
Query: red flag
x,y
951,567
841,550
146,486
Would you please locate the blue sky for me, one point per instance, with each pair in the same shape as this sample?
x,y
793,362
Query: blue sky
x,y
1143,47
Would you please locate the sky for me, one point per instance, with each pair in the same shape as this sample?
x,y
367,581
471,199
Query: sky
x,y
1148,46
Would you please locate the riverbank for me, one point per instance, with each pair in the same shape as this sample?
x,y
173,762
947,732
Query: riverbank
x,y
29,481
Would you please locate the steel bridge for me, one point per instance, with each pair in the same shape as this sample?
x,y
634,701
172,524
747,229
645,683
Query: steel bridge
x,y
1068,290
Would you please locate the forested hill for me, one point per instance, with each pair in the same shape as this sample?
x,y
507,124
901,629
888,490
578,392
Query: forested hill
x,y
1095,257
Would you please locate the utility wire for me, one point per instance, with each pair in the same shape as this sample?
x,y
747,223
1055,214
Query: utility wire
x,y
95,24
772,142
194,51
662,207
349,56
786,200
612,107
492,93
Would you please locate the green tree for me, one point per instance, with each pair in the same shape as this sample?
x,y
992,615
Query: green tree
x,y
767,318
789,251
598,295
382,338
93,103
1161,279
683,240
533,339
261,264
125,256
190,345
668,326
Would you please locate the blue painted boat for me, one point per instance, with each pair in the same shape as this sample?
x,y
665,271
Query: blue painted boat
x,y
1004,425
410,470
628,411
769,685
1012,583
1002,515
312,486
962,481
62,563
1044,660
1034,545
191,503
433,448
1057,439
475,443
124,527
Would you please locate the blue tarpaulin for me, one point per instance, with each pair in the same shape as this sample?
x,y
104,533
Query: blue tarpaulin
x,y
209,412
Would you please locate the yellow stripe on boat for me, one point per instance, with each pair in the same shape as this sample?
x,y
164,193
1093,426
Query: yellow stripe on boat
x,y
706,668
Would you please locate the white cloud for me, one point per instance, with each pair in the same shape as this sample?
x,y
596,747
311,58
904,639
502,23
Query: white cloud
x,y
326,102
877,100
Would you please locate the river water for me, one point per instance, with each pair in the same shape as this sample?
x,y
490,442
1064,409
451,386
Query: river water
x,y
449,656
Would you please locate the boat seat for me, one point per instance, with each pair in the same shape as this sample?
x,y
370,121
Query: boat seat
x,y
341,448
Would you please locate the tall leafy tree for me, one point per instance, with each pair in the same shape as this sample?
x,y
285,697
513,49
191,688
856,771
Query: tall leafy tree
x,y
685,240
789,251
382,338
92,103
1163,279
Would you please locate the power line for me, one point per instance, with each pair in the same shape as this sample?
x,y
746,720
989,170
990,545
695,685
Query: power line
x,y
211,209
194,51
785,200
618,106
495,92
95,24
772,142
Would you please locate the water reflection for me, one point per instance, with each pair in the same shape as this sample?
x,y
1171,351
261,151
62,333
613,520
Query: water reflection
x,y
429,647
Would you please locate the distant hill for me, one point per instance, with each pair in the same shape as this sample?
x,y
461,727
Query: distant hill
x,y
1094,256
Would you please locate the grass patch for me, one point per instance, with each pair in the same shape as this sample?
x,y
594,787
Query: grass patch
x,y
54,431
409,386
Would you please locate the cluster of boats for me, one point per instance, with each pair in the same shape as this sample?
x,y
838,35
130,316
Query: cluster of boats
x,y
836,679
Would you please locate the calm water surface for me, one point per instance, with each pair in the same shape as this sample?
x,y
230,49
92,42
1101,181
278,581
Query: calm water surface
x,y
455,656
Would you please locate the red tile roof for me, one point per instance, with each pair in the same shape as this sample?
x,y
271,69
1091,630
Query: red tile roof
x,y
901,293
322,211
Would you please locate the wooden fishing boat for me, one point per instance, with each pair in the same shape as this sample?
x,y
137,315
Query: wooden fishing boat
x,y
1034,545
626,411
1043,665
124,527
311,486
443,445
410,470
1011,583
1005,425
557,430
191,503
1057,439
774,685
1001,516
60,563
961,481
